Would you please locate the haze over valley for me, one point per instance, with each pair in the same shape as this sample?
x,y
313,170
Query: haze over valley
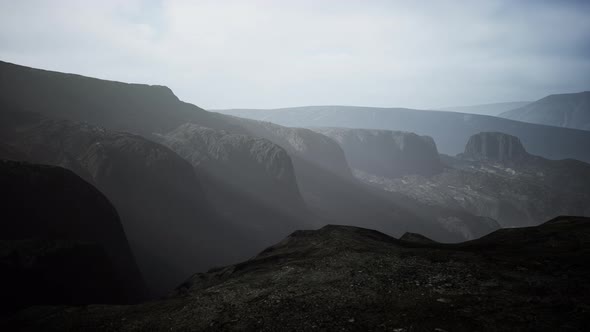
x,y
278,203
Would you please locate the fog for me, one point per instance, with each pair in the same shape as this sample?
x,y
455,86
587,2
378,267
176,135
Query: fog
x,y
265,54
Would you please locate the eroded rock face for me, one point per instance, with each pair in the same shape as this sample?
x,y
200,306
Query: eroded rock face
x,y
61,241
387,153
353,279
249,180
304,145
247,162
495,146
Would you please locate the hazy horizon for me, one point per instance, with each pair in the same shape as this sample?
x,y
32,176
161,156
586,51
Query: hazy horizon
x,y
264,54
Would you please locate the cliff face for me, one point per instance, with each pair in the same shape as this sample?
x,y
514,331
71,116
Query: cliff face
x,y
248,179
387,153
495,146
61,241
232,155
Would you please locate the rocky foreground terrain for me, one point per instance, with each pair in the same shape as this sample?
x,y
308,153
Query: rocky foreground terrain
x,y
348,278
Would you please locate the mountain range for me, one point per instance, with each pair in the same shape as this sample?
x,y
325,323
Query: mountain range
x,y
450,130
129,184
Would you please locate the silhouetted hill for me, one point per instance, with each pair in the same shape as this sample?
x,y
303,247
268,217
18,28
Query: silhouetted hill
x,y
450,130
350,279
569,110
61,241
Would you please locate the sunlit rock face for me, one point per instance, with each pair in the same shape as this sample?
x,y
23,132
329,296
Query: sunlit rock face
x,y
495,146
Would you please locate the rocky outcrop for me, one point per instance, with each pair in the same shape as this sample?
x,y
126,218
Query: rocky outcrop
x,y
387,153
495,146
353,279
61,241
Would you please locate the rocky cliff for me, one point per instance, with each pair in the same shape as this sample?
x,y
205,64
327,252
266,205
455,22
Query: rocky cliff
x,y
495,146
386,153
254,174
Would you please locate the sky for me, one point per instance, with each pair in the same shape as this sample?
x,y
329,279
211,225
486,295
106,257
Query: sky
x,y
269,54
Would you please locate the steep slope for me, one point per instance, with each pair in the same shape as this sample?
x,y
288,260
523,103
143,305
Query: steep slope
x,y
386,153
449,130
240,169
487,109
569,110
61,241
171,227
353,279
495,146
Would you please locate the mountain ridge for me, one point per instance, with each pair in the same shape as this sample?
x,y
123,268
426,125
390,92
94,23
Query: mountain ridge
x,y
568,110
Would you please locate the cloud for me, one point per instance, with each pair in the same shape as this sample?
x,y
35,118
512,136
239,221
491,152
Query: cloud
x,y
222,54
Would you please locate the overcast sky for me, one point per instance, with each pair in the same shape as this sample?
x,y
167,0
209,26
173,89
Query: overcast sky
x,y
266,54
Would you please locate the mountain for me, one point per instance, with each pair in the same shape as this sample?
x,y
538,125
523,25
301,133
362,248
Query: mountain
x,y
387,153
324,180
495,177
487,109
61,241
569,110
450,130
349,279
221,160
171,227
